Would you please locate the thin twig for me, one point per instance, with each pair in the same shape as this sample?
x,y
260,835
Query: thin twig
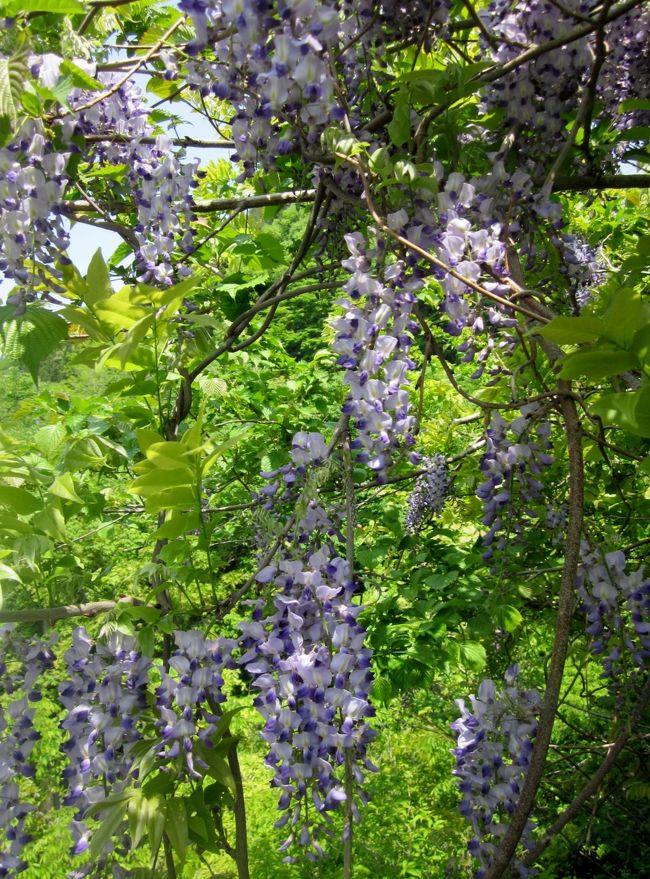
x,y
594,782
134,69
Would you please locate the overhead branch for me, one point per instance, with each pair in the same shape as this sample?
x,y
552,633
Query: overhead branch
x,y
198,142
63,612
245,202
109,225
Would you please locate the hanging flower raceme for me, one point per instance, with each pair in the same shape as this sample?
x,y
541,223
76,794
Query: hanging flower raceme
x,y
105,697
159,180
373,338
524,94
616,604
33,178
306,655
308,660
22,662
515,455
430,492
188,701
496,735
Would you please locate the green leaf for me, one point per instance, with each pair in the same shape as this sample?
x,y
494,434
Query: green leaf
x,y
56,7
379,161
597,362
62,89
84,454
382,690
472,654
152,482
642,411
163,88
48,439
342,142
230,443
98,280
572,330
107,828
508,617
7,573
405,172
625,410
399,128
626,313
63,487
170,456
80,79
637,133
146,436
156,822
31,104
178,525
51,521
13,73
176,826
138,814
31,337
20,500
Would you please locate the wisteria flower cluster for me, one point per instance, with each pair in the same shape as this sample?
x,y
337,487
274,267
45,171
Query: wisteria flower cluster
x,y
524,94
372,340
34,177
22,662
308,660
280,48
616,604
430,492
109,711
516,453
308,451
159,180
188,700
496,735
32,182
105,697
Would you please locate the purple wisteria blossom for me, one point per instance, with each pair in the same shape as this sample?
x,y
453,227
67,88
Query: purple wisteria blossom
x,y
616,604
496,735
516,453
160,181
308,660
105,697
373,338
273,68
22,662
188,700
32,182
430,492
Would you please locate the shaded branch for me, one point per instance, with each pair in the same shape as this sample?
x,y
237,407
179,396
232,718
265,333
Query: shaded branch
x,y
594,782
586,182
519,818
